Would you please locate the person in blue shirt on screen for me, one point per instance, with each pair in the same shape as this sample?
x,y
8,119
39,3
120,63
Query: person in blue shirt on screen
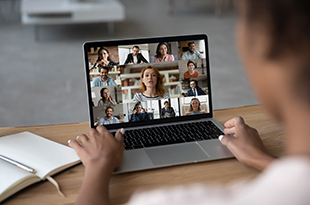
x,y
191,53
103,79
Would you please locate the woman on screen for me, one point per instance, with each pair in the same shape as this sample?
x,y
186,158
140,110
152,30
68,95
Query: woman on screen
x,y
162,53
104,58
106,98
151,86
195,108
191,73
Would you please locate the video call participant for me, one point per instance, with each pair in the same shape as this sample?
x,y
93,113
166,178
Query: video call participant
x,y
195,107
191,53
135,57
167,111
103,79
104,58
191,73
106,98
163,53
195,90
151,86
108,119
138,116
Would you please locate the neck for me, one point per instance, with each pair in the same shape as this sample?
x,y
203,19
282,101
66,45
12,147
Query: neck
x,y
192,52
103,80
296,123
109,117
191,72
150,92
195,110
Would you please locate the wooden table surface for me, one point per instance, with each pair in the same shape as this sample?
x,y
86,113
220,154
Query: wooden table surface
x,y
123,185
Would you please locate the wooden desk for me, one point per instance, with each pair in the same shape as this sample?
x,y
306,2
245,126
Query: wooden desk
x,y
123,185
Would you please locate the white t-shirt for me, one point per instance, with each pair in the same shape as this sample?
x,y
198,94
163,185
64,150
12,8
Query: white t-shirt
x,y
135,59
285,182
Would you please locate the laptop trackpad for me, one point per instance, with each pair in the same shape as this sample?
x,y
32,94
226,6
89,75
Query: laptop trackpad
x,y
176,154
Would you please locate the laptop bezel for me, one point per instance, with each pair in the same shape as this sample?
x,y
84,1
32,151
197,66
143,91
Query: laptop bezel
x,y
116,42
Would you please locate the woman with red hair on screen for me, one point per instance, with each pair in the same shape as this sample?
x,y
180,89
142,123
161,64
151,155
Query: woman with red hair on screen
x,y
151,86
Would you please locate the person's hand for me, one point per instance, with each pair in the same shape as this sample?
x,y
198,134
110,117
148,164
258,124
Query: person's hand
x,y
100,149
131,63
133,111
105,62
164,58
244,142
168,116
143,109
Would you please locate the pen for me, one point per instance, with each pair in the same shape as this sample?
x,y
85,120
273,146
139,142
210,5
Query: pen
x,y
18,164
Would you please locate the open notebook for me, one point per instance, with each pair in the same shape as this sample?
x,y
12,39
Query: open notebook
x,y
45,156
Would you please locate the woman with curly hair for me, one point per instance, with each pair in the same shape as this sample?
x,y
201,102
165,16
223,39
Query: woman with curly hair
x,y
163,53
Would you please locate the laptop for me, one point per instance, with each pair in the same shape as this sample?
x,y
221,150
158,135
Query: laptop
x,y
158,89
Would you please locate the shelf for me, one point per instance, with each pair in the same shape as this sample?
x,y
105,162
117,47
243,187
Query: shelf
x,y
110,73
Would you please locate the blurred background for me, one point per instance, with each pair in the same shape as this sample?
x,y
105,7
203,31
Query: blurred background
x,y
41,67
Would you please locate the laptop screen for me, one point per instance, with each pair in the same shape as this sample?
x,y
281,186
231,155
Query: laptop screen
x,y
136,82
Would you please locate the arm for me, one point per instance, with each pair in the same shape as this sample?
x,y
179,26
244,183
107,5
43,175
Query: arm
x,y
244,142
94,83
163,112
148,116
101,153
201,92
189,93
134,118
111,81
172,112
128,60
199,55
183,56
143,59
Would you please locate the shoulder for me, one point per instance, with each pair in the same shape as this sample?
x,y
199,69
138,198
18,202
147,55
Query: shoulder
x,y
186,53
97,78
137,97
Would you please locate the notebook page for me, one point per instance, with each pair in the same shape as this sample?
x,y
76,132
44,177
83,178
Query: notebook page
x,y
37,152
10,174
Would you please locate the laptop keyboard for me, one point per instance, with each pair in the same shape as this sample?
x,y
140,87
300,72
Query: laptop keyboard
x,y
170,134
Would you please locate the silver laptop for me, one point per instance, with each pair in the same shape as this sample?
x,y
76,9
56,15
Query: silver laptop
x,y
159,90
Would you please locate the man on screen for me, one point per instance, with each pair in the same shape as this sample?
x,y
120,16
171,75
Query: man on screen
x,y
103,79
195,90
167,111
108,119
191,53
135,57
